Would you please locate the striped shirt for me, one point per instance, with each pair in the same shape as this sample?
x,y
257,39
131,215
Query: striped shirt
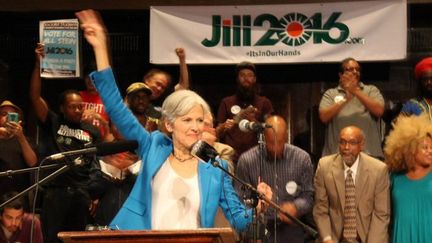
x,y
291,178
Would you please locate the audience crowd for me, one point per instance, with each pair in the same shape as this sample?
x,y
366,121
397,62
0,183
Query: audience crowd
x,y
366,188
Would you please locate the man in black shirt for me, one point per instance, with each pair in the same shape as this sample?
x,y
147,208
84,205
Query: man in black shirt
x,y
67,197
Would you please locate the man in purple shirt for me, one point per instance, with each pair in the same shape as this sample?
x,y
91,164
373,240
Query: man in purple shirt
x,y
15,223
246,103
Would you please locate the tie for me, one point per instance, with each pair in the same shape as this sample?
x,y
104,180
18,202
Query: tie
x,y
349,232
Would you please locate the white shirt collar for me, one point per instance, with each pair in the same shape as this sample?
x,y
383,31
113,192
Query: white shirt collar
x,y
353,168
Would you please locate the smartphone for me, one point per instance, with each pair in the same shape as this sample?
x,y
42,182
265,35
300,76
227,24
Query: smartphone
x,y
13,116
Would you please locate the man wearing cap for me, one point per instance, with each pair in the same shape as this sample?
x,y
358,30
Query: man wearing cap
x,y
246,103
67,197
138,97
421,104
15,150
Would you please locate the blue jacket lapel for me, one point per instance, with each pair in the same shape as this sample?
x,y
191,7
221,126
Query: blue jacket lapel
x,y
204,172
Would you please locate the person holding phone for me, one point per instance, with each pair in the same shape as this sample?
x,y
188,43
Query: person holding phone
x,y
16,152
352,103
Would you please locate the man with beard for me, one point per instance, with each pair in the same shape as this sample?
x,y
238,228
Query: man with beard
x,y
293,186
16,225
352,197
245,104
421,104
352,103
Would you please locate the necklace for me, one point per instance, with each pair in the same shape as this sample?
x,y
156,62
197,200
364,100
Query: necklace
x,y
182,160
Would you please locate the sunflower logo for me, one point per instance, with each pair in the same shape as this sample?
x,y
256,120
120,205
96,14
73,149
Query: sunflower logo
x,y
295,30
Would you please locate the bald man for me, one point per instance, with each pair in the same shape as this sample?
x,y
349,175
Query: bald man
x,y
372,198
289,171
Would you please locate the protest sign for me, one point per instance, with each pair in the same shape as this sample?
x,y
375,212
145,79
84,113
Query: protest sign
x,y
61,41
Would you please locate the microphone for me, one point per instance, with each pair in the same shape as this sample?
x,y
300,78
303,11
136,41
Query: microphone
x,y
246,126
204,151
100,149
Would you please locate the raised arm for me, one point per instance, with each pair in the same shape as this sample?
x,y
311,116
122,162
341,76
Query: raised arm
x,y
39,104
184,71
95,33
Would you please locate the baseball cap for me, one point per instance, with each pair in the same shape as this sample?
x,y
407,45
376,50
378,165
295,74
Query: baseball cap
x,y
138,86
245,65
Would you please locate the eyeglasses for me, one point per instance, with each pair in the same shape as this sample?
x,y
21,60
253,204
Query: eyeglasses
x,y
344,142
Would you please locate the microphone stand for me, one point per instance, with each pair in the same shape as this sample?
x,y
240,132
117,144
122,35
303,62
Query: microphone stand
x,y
261,149
261,196
20,171
41,182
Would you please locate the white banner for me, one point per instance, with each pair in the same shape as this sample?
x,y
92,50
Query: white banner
x,y
294,33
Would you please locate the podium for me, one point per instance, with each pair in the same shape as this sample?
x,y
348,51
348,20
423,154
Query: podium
x,y
211,235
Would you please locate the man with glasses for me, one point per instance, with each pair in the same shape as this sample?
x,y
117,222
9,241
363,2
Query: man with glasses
x,y
352,103
352,199
421,104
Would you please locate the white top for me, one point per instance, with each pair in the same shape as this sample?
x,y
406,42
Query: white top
x,y
117,173
175,200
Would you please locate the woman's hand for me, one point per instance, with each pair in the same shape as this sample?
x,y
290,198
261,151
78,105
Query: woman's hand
x,y
93,27
96,35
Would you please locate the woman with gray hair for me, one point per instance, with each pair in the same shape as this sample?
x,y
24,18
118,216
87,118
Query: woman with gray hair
x,y
173,189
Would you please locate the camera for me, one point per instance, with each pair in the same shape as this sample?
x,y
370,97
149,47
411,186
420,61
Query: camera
x,y
13,116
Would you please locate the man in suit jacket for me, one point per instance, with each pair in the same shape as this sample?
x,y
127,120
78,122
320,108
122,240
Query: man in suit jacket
x,y
372,197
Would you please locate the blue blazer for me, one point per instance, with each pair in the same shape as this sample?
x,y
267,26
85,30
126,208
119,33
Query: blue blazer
x,y
154,148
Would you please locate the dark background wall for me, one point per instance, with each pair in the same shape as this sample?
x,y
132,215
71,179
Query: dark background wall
x,y
293,88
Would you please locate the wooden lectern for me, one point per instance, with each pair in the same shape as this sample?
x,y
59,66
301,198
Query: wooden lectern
x,y
219,235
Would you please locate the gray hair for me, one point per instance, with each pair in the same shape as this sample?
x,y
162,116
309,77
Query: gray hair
x,y
179,103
